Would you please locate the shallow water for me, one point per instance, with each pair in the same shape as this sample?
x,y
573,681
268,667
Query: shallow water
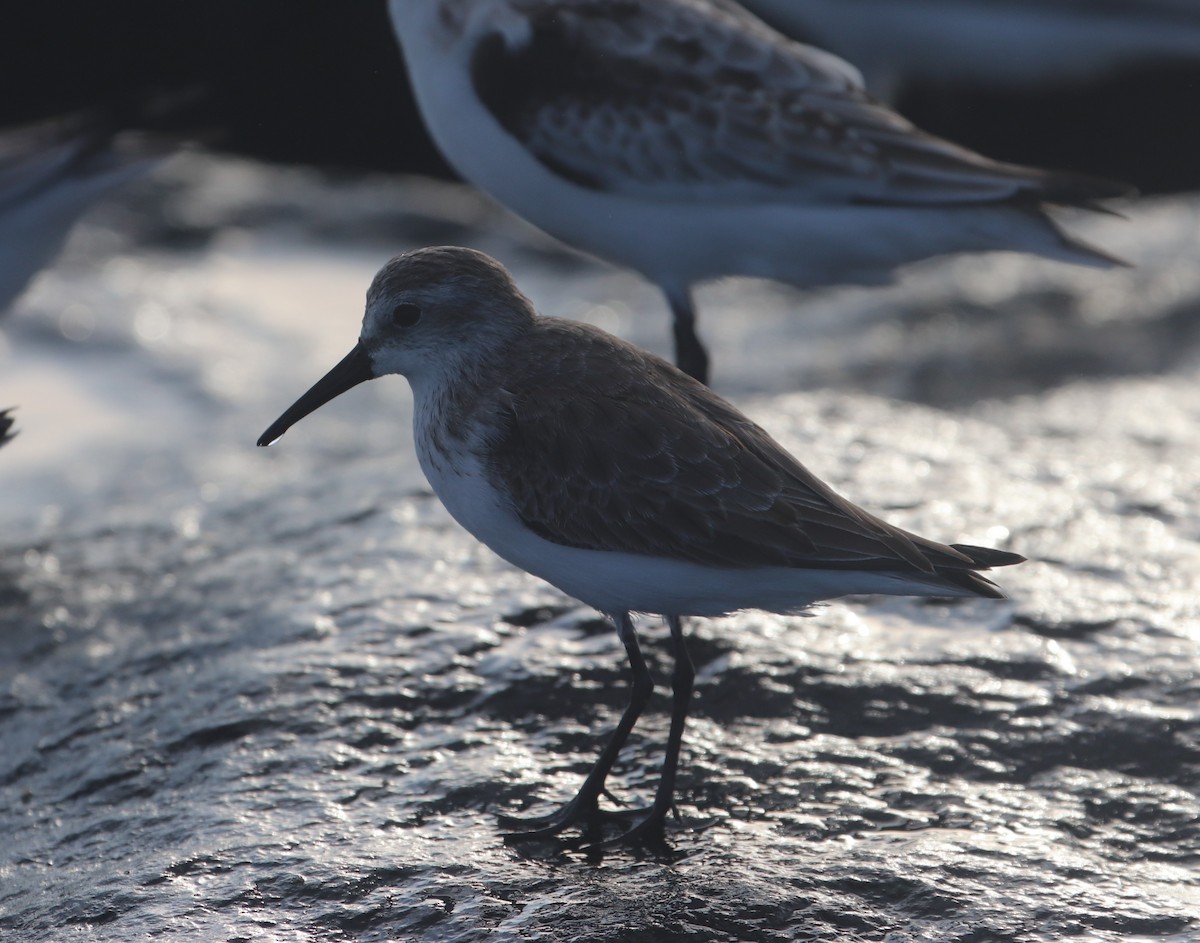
x,y
279,695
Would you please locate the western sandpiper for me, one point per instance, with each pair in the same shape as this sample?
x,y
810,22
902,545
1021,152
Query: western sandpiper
x,y
688,140
1006,45
617,478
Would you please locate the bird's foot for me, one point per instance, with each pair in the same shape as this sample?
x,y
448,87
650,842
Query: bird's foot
x,y
647,831
583,811
642,828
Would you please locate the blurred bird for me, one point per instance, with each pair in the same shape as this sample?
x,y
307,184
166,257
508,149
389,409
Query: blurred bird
x,y
50,174
688,140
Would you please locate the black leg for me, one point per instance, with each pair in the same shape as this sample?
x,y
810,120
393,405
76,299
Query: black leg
x,y
681,688
584,808
649,830
690,355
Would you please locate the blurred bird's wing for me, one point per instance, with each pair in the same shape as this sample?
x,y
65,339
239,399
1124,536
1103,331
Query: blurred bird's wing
x,y
669,99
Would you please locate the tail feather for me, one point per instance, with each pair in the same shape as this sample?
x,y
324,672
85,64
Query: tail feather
x,y
1053,188
1042,190
1084,253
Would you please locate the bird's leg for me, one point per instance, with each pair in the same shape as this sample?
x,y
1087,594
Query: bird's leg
x,y
690,355
584,808
682,681
649,830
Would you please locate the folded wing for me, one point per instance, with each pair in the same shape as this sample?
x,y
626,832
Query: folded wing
x,y
664,99
652,463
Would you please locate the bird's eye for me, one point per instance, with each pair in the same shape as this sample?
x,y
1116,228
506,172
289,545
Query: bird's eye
x,y
406,315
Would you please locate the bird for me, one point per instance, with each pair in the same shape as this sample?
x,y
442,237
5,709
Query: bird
x,y
50,174
989,45
689,141
619,479
6,426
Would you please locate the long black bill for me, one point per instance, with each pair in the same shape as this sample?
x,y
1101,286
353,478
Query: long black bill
x,y
353,369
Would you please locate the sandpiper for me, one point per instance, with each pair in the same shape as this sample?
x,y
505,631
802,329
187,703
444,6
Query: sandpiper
x,y
991,45
687,140
619,479
50,173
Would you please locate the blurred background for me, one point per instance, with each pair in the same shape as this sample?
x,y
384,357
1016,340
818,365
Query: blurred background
x,y
320,82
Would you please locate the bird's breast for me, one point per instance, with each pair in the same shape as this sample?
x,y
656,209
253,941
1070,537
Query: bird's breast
x,y
450,446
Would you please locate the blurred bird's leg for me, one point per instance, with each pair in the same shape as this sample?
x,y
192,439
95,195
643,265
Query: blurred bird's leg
x,y
690,355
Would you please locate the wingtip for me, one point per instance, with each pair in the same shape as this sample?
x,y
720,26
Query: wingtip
x,y
1064,188
988,557
981,558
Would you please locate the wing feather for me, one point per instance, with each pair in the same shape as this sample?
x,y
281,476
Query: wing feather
x,y
668,99
646,461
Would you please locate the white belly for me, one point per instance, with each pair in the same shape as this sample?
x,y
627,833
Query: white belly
x,y
622,582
